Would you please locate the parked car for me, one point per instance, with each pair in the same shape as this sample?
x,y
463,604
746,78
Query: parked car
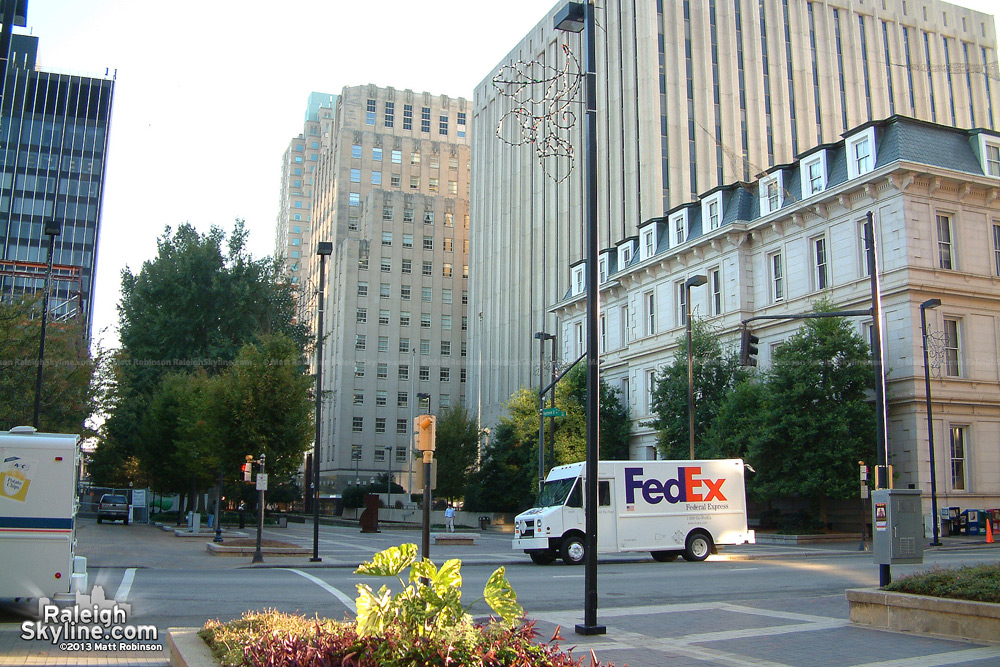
x,y
113,508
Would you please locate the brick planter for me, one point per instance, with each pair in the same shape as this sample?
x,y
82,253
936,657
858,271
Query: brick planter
x,y
904,612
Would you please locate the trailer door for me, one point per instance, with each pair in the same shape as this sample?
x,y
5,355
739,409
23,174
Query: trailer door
x,y
607,522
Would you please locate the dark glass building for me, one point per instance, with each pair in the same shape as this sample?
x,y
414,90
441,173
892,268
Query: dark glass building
x,y
53,149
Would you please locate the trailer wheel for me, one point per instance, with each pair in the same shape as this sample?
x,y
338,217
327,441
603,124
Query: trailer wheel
x,y
541,557
573,550
664,556
697,547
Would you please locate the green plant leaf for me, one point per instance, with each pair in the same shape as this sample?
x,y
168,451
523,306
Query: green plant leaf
x,y
390,562
422,568
448,577
500,596
373,610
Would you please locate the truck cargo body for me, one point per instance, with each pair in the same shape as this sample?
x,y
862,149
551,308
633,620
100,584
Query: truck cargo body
x,y
38,473
668,508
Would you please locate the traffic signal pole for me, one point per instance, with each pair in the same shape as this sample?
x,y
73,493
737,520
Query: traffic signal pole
x,y
426,428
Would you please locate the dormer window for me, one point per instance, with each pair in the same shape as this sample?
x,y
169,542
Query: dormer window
x,y
813,174
711,211
648,243
861,153
770,193
602,269
626,251
678,228
989,154
578,283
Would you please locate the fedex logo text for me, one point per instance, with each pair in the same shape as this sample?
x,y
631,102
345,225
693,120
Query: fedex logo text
x,y
685,488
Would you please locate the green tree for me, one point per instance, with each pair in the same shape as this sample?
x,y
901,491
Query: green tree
x,y
715,372
571,431
457,449
263,405
69,386
507,481
820,422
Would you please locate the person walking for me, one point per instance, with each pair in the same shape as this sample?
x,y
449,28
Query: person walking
x,y
449,518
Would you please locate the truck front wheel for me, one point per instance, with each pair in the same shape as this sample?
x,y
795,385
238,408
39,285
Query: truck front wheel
x,y
541,556
573,550
697,547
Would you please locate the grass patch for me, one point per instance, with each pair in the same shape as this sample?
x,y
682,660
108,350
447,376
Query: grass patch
x,y
978,583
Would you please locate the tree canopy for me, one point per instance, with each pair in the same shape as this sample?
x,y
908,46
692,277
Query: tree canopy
x,y
457,450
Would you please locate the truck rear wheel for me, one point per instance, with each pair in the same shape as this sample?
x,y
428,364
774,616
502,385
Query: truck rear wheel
x,y
573,550
541,557
697,547
664,556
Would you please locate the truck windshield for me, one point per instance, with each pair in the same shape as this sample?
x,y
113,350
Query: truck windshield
x,y
555,492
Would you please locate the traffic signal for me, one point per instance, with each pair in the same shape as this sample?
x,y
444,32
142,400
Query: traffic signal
x,y
748,348
247,469
425,426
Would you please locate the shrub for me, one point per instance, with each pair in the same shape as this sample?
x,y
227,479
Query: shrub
x,y
423,624
979,583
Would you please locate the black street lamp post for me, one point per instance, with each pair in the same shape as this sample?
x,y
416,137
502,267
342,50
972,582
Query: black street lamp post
x,y
693,281
52,229
930,303
323,249
541,336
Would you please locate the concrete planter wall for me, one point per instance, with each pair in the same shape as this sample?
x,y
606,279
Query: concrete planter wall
x,y
922,614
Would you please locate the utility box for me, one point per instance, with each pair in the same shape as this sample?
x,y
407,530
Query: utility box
x,y
898,535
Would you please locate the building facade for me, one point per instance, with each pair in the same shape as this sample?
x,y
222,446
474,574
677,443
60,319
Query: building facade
x,y
391,193
53,151
796,234
692,95
292,228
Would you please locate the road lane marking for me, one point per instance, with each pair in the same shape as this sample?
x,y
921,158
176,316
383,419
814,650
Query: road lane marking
x,y
567,576
348,602
126,586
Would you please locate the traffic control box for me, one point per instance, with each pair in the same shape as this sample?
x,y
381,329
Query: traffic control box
x,y
897,527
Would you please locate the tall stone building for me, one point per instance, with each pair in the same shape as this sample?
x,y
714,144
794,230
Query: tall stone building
x,y
298,166
53,153
391,192
934,194
693,95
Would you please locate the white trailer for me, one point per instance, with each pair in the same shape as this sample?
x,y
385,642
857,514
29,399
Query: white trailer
x,y
668,508
38,473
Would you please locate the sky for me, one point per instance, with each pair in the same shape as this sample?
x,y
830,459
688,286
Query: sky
x,y
209,93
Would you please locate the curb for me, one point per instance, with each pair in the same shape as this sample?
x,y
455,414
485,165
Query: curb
x,y
187,649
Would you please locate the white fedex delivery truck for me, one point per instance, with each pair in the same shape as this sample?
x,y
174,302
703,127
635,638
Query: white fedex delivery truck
x,y
37,515
668,508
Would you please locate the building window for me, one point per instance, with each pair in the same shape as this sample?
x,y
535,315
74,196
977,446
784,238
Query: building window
x,y
777,277
814,174
387,213
384,290
387,238
678,226
446,270
358,424
404,346
404,292
359,398
370,113
396,157
355,452
465,322
952,348
959,454
376,178
446,348
424,373
996,249
380,424
356,151
682,294
426,294
992,153
407,215
360,341
402,399
449,219
713,215
383,343
623,323
602,341
773,200
359,369
432,184
650,390
446,322
427,268
946,259
428,243
649,302
715,278
403,373
425,320
404,318
648,243
425,346
414,182
400,451
445,374
382,370
352,223
354,199
407,266
443,125
386,265
362,288
602,270
860,153
381,399
402,426
407,240
379,454
428,217
464,350
355,176
425,119
821,269
446,296
361,315
390,114
407,116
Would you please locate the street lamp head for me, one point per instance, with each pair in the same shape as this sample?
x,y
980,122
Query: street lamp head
x,y
324,248
52,228
696,281
570,17
930,303
541,335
